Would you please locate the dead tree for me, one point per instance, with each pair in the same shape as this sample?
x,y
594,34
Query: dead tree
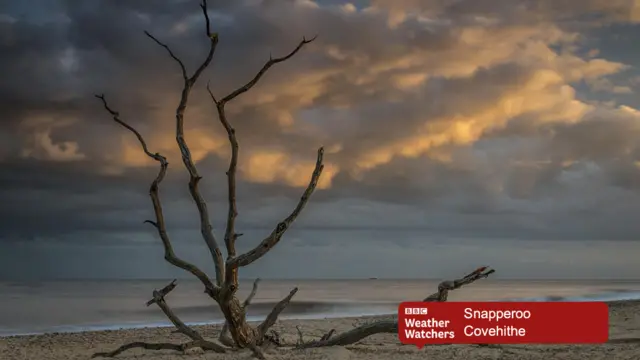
x,y
223,287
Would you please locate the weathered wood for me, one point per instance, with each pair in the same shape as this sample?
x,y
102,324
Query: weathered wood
x,y
159,223
223,289
446,286
158,299
242,333
354,335
270,241
205,345
328,335
271,319
206,229
197,339
224,333
230,235
391,326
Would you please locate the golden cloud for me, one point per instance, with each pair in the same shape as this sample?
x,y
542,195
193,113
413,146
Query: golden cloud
x,y
269,166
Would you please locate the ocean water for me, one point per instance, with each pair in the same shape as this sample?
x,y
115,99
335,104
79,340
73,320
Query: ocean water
x,y
67,306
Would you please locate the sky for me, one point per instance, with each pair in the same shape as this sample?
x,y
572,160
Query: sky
x,y
457,133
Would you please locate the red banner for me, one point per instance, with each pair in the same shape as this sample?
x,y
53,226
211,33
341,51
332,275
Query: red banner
x,y
423,323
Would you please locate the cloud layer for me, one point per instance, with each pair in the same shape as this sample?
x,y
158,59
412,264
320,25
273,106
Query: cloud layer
x,y
501,119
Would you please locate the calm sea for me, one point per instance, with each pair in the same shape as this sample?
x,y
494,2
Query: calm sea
x,y
62,306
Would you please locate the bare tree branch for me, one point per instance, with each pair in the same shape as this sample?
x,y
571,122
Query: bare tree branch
x,y
252,294
158,298
264,69
269,242
446,286
391,326
158,295
275,312
194,178
230,235
354,335
159,223
213,39
205,345
214,42
185,77
197,339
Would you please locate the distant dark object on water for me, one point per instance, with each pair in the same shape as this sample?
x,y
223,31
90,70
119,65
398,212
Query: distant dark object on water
x,y
373,278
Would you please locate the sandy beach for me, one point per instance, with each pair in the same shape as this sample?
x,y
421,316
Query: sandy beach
x,y
624,324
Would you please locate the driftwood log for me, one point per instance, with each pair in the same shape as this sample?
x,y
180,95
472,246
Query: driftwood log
x,y
391,326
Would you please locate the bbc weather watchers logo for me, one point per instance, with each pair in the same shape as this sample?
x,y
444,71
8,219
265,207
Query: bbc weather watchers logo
x,y
416,311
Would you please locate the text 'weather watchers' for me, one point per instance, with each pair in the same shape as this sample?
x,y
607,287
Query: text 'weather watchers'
x,y
423,323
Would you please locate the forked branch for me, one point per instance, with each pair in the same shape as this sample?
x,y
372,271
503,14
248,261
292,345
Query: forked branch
x,y
159,223
197,339
391,326
206,229
230,235
270,241
263,70
158,299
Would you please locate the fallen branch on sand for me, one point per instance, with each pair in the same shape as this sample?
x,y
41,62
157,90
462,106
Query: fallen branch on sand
x,y
390,326
205,345
197,341
328,339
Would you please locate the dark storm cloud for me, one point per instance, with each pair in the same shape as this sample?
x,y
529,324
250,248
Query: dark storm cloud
x,y
411,114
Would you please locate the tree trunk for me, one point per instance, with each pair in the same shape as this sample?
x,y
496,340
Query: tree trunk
x,y
241,332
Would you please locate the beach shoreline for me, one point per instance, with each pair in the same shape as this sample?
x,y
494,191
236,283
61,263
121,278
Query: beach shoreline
x,y
624,324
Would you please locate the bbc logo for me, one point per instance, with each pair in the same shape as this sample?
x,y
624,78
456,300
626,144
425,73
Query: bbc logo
x,y
416,311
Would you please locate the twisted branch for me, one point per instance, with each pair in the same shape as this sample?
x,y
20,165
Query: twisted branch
x,y
230,235
194,177
159,223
